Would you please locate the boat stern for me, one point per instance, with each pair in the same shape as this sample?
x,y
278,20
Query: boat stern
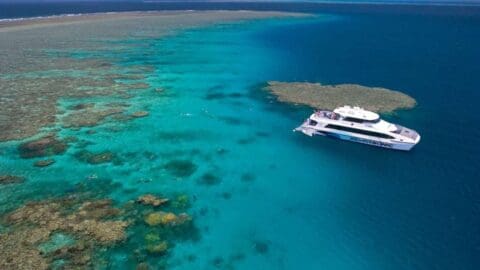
x,y
306,129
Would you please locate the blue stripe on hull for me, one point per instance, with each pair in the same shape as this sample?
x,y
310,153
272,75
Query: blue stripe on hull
x,y
360,140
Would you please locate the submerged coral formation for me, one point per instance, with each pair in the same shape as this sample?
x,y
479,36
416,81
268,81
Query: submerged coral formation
x,y
61,78
36,71
157,248
181,202
209,179
166,219
180,168
70,230
97,158
44,163
139,114
10,179
89,116
149,199
321,96
46,146
34,224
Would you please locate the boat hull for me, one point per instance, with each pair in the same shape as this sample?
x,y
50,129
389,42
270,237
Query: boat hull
x,y
389,145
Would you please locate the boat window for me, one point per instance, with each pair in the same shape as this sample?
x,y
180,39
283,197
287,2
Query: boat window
x,y
351,119
356,120
360,131
313,122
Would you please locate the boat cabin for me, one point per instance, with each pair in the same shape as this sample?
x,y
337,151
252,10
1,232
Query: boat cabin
x,y
357,114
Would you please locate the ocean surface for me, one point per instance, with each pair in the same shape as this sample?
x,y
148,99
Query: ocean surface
x,y
275,199
14,10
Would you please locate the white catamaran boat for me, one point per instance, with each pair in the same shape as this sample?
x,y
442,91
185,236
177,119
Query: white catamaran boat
x,y
359,125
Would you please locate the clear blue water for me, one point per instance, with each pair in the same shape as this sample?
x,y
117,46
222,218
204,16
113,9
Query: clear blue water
x,y
315,203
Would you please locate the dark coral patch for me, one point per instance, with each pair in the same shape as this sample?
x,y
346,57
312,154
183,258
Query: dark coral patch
x,y
44,163
82,106
203,211
46,146
180,168
97,158
217,261
209,179
237,257
247,177
227,195
191,258
10,179
248,140
261,247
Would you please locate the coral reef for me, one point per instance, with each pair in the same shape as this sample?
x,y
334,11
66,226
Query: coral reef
x,y
331,96
11,179
33,81
209,179
139,114
35,226
142,266
18,249
157,248
166,219
181,202
155,245
44,162
89,116
46,146
261,247
82,106
86,221
97,158
149,199
180,168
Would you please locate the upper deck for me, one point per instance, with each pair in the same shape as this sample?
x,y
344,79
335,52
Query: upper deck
x,y
357,113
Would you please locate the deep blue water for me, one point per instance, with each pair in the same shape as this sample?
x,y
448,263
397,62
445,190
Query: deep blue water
x,y
432,193
317,203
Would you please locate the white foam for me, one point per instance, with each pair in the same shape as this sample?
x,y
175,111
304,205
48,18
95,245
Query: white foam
x,y
42,17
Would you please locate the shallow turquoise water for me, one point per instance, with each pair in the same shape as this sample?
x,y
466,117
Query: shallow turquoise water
x,y
285,201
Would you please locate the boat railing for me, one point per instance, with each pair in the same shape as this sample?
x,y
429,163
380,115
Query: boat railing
x,y
327,114
405,132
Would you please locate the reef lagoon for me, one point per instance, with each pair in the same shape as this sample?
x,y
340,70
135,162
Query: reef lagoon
x,y
146,141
